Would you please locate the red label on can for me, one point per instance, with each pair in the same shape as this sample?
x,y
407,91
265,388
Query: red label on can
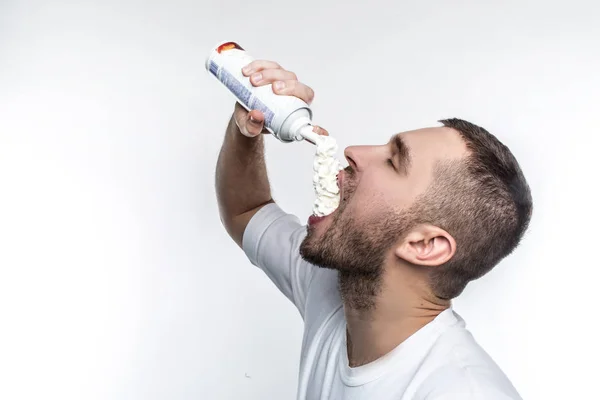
x,y
228,46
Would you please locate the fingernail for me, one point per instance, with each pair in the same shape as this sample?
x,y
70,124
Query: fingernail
x,y
247,70
257,77
253,120
279,85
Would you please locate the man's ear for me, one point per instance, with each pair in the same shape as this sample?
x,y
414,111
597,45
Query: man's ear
x,y
427,245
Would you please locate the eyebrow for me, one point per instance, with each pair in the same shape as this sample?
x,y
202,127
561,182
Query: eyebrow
x,y
402,152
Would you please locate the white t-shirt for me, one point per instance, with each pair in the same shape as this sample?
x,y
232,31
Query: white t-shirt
x,y
441,361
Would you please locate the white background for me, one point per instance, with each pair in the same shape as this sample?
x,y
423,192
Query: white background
x,y
117,280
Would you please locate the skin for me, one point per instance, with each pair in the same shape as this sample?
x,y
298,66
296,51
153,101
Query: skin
x,y
385,285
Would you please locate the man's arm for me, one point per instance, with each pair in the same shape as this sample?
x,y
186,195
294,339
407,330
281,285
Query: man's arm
x,y
241,177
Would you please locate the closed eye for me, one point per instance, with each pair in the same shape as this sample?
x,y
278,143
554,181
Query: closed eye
x,y
401,153
391,163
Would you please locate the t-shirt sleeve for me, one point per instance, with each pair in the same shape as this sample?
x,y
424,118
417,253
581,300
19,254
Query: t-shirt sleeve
x,y
272,241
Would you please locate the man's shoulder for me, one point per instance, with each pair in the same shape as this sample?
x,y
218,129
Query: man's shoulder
x,y
468,382
457,367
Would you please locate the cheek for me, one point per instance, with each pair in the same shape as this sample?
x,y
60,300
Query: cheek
x,y
371,190
365,202
376,192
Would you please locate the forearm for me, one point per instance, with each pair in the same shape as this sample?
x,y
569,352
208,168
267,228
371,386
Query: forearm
x,y
242,185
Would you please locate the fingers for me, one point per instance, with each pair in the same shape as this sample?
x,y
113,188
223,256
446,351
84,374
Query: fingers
x,y
251,123
320,131
268,76
294,88
262,72
259,65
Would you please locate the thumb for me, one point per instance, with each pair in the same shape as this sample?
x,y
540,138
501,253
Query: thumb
x,y
256,122
252,123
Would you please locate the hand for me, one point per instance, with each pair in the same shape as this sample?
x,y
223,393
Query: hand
x,y
283,82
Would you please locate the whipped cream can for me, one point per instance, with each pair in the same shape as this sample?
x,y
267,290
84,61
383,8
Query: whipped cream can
x,y
285,116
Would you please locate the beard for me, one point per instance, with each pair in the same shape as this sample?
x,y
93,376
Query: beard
x,y
356,249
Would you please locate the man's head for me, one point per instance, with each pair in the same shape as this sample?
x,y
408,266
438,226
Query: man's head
x,y
450,202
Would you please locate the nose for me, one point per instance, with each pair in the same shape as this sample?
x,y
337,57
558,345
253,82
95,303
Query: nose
x,y
358,156
349,154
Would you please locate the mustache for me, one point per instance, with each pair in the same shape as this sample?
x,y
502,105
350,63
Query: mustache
x,y
349,183
349,171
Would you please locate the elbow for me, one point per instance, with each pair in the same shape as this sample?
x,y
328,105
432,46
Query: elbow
x,y
233,228
235,225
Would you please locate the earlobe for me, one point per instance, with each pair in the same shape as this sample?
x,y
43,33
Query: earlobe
x,y
427,246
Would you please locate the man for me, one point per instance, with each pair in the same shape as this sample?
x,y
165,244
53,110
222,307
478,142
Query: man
x,y
419,217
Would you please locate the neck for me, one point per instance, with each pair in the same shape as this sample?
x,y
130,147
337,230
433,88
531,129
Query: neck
x,y
383,311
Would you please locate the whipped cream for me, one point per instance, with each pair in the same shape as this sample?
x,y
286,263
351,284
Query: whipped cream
x,y
326,167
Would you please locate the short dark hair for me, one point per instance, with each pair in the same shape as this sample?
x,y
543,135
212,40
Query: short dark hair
x,y
483,201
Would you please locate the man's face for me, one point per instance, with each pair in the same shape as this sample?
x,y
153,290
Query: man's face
x,y
378,189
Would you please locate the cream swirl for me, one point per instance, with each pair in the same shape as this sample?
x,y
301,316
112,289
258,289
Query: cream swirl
x,y
326,167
